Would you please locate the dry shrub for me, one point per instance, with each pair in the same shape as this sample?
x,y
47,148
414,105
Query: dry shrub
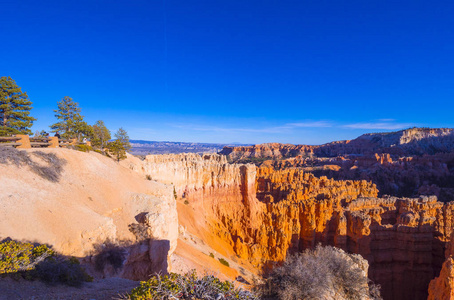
x,y
51,171
188,287
324,271
141,231
61,270
14,156
109,253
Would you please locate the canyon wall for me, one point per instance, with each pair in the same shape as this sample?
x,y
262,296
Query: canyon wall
x,y
442,287
393,175
407,163
263,214
414,141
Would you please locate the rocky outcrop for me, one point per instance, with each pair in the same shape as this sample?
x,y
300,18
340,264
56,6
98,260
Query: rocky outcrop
x,y
413,141
92,204
269,151
393,175
403,239
442,287
156,233
407,163
263,214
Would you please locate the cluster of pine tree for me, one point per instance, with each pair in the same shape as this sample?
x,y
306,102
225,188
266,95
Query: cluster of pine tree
x,y
15,107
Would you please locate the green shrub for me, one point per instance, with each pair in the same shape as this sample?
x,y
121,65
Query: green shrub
x,y
148,177
188,286
17,256
186,202
224,262
211,255
83,148
29,261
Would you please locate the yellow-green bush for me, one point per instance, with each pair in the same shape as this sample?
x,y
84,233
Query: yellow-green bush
x,y
83,148
17,256
29,261
188,286
224,262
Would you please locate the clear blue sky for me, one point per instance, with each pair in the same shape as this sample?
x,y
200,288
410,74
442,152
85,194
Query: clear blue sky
x,y
236,71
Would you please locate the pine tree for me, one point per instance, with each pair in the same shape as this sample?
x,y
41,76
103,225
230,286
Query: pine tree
x,y
119,147
14,109
101,135
123,137
71,123
116,149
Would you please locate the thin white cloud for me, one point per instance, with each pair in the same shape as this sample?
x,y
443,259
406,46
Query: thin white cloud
x,y
384,124
379,125
311,124
386,120
274,129
231,129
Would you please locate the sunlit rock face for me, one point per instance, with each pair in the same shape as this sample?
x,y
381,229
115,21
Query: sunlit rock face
x,y
414,141
442,287
263,214
407,163
91,205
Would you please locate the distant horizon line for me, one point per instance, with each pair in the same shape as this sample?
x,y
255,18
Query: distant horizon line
x,y
253,144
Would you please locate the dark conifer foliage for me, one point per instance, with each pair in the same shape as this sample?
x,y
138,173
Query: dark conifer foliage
x,y
15,109
71,123
118,147
101,135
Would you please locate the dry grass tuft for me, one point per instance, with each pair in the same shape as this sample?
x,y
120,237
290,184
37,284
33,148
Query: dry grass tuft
x,y
14,156
51,171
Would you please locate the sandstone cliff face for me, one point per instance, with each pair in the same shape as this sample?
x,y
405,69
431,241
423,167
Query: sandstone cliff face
x,y
269,150
442,287
393,175
407,163
94,201
263,213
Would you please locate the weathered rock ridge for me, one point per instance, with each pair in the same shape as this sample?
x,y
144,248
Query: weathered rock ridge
x,y
263,213
442,287
393,175
407,163
94,202
414,141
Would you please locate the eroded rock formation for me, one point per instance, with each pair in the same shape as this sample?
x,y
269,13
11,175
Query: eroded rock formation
x,y
393,175
407,163
414,141
263,213
442,287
